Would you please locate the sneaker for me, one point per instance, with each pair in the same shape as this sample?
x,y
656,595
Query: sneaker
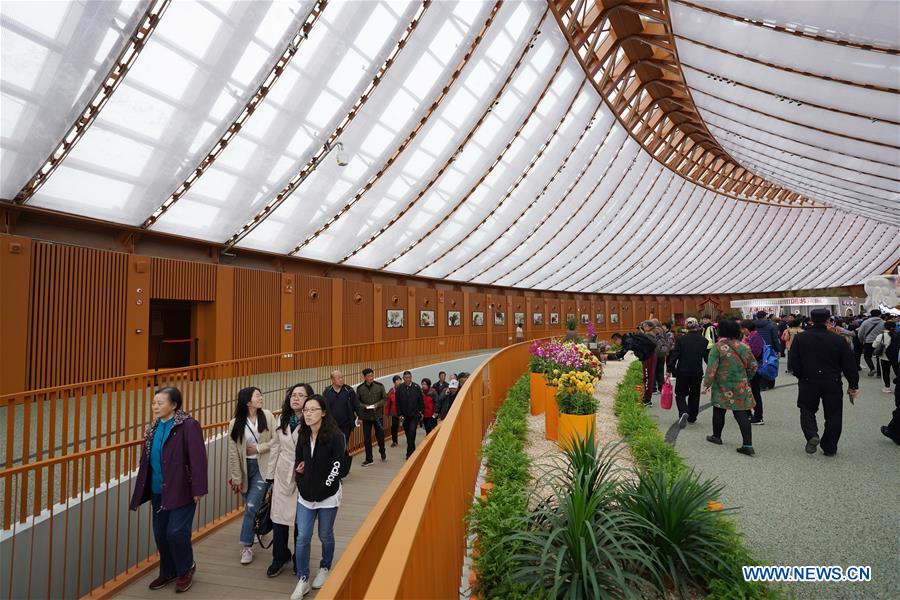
x,y
886,390
383,456
184,582
368,462
811,444
321,576
713,439
246,555
748,450
648,404
275,568
302,589
161,582
393,444
682,421
757,422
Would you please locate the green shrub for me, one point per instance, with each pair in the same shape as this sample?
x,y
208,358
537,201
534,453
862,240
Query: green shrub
x,y
505,457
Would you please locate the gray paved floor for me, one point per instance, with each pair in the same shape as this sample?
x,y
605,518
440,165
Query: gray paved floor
x,y
800,509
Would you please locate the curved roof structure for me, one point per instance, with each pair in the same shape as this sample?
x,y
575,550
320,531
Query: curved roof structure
x,y
583,145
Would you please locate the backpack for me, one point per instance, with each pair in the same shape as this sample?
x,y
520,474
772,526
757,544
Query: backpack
x,y
881,342
768,366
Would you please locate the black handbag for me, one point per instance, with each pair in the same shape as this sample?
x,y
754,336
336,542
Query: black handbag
x,y
262,524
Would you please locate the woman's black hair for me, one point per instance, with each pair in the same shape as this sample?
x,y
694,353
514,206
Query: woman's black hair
x,y
427,382
796,323
730,328
396,379
174,395
286,410
328,427
241,412
748,325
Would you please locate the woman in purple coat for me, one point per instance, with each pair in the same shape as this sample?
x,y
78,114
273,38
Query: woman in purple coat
x,y
172,475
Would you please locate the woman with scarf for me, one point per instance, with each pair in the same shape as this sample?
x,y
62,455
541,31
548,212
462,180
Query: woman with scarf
x,y
280,475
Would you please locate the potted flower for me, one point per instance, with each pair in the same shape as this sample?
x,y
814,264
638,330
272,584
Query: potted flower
x,y
537,366
571,325
577,406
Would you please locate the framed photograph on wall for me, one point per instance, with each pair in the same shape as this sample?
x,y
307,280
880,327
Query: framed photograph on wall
x,y
426,318
454,318
519,319
537,318
499,318
477,318
613,318
554,318
599,318
394,318
585,318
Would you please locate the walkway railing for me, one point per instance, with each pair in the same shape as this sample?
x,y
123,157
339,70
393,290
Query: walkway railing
x,y
65,501
420,555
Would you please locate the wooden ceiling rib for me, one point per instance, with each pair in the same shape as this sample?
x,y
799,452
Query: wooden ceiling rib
x,y
120,67
628,51
246,111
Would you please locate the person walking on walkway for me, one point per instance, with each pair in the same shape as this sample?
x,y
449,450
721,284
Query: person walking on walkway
x,y
370,400
892,429
321,447
172,476
818,358
788,335
248,459
665,343
390,409
445,400
728,374
644,348
342,404
441,385
429,400
868,331
410,404
686,362
710,332
280,476
879,347
769,335
756,345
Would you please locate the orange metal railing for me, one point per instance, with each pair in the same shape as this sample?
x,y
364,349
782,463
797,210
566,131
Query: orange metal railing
x,y
421,555
76,449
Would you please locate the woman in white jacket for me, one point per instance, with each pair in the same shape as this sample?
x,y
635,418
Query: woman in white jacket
x,y
879,350
281,475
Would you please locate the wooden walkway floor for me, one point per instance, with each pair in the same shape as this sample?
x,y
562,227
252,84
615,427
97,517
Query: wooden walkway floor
x,y
219,572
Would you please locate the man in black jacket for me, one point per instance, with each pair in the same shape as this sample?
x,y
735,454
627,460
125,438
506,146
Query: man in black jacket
x,y
370,399
817,358
342,402
410,404
686,362
769,334
892,429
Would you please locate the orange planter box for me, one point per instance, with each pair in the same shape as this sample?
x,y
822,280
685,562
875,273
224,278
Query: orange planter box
x,y
574,427
551,412
537,393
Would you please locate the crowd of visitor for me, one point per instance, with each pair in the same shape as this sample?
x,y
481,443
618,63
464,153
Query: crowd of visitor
x,y
741,362
292,465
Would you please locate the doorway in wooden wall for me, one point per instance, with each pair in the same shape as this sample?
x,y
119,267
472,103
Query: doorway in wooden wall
x,y
170,339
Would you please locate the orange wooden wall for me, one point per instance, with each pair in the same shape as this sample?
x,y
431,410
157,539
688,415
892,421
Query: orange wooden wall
x,y
71,314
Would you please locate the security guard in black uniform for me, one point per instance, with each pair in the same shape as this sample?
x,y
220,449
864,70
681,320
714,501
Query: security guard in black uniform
x,y
817,358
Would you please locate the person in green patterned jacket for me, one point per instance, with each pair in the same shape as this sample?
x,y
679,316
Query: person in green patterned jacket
x,y
728,373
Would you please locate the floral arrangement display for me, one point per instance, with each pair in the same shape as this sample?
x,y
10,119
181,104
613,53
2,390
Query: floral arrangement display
x,y
576,393
591,331
556,357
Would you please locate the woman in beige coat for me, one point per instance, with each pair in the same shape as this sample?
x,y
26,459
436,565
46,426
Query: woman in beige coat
x,y
248,459
281,475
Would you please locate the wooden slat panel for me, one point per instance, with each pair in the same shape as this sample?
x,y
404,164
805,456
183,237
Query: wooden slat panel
x,y
313,306
77,317
357,312
257,312
182,280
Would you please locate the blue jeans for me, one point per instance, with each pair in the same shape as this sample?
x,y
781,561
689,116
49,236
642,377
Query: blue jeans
x,y
253,497
306,518
172,531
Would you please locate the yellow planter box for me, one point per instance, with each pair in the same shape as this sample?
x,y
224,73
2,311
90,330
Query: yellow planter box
x,y
551,412
573,427
537,393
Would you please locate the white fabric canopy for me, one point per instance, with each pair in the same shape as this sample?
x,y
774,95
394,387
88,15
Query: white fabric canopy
x,y
480,152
